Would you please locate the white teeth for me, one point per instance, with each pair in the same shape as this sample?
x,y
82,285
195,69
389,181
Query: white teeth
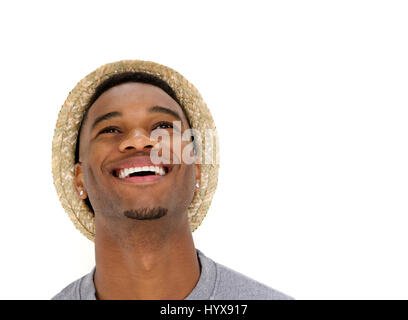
x,y
124,173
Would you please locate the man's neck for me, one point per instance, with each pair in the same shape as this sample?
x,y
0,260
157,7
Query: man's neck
x,y
145,265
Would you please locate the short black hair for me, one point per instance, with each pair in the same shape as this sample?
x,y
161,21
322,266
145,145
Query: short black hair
x,y
116,80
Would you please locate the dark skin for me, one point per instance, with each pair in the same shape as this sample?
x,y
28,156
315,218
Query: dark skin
x,y
137,259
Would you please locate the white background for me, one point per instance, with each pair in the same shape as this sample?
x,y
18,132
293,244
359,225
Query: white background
x,y
310,100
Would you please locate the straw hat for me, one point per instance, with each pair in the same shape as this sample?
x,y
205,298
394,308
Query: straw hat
x,y
69,121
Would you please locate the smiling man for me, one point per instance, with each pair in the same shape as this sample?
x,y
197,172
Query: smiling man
x,y
121,171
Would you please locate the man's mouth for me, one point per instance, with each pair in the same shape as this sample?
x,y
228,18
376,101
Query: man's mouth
x,y
139,169
140,172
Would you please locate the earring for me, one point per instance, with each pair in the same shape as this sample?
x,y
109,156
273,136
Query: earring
x,y
198,185
81,192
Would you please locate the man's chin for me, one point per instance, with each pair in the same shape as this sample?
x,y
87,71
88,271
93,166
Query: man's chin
x,y
146,213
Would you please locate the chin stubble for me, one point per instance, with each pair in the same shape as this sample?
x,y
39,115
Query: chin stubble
x,y
146,213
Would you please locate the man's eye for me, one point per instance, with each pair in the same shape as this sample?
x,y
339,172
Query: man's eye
x,y
108,130
163,125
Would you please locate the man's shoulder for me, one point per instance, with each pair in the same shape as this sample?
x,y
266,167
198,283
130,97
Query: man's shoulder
x,y
72,291
234,285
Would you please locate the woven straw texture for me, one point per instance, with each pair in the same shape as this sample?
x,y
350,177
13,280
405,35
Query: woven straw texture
x,y
69,120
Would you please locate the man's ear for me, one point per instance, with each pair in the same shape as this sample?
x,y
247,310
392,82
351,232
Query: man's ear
x,y
198,176
79,181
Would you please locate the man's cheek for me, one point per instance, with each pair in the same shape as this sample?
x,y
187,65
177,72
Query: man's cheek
x,y
92,174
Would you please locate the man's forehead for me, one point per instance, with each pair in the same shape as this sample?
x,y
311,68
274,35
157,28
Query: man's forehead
x,y
133,97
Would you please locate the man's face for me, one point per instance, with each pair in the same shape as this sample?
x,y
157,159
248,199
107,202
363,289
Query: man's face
x,y
110,145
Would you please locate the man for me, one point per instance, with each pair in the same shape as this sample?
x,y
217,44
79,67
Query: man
x,y
114,126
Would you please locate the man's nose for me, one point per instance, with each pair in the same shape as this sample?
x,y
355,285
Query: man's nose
x,y
136,139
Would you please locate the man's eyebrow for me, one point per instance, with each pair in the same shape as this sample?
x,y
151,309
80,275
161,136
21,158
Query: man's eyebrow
x,y
165,110
106,116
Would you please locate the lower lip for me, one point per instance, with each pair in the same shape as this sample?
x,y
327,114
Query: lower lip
x,y
138,179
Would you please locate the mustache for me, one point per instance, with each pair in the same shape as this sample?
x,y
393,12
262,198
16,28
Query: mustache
x,y
146,213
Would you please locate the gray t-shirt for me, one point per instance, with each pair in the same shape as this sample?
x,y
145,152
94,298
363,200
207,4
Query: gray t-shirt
x,y
216,282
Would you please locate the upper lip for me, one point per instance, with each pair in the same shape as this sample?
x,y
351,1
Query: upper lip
x,y
137,161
